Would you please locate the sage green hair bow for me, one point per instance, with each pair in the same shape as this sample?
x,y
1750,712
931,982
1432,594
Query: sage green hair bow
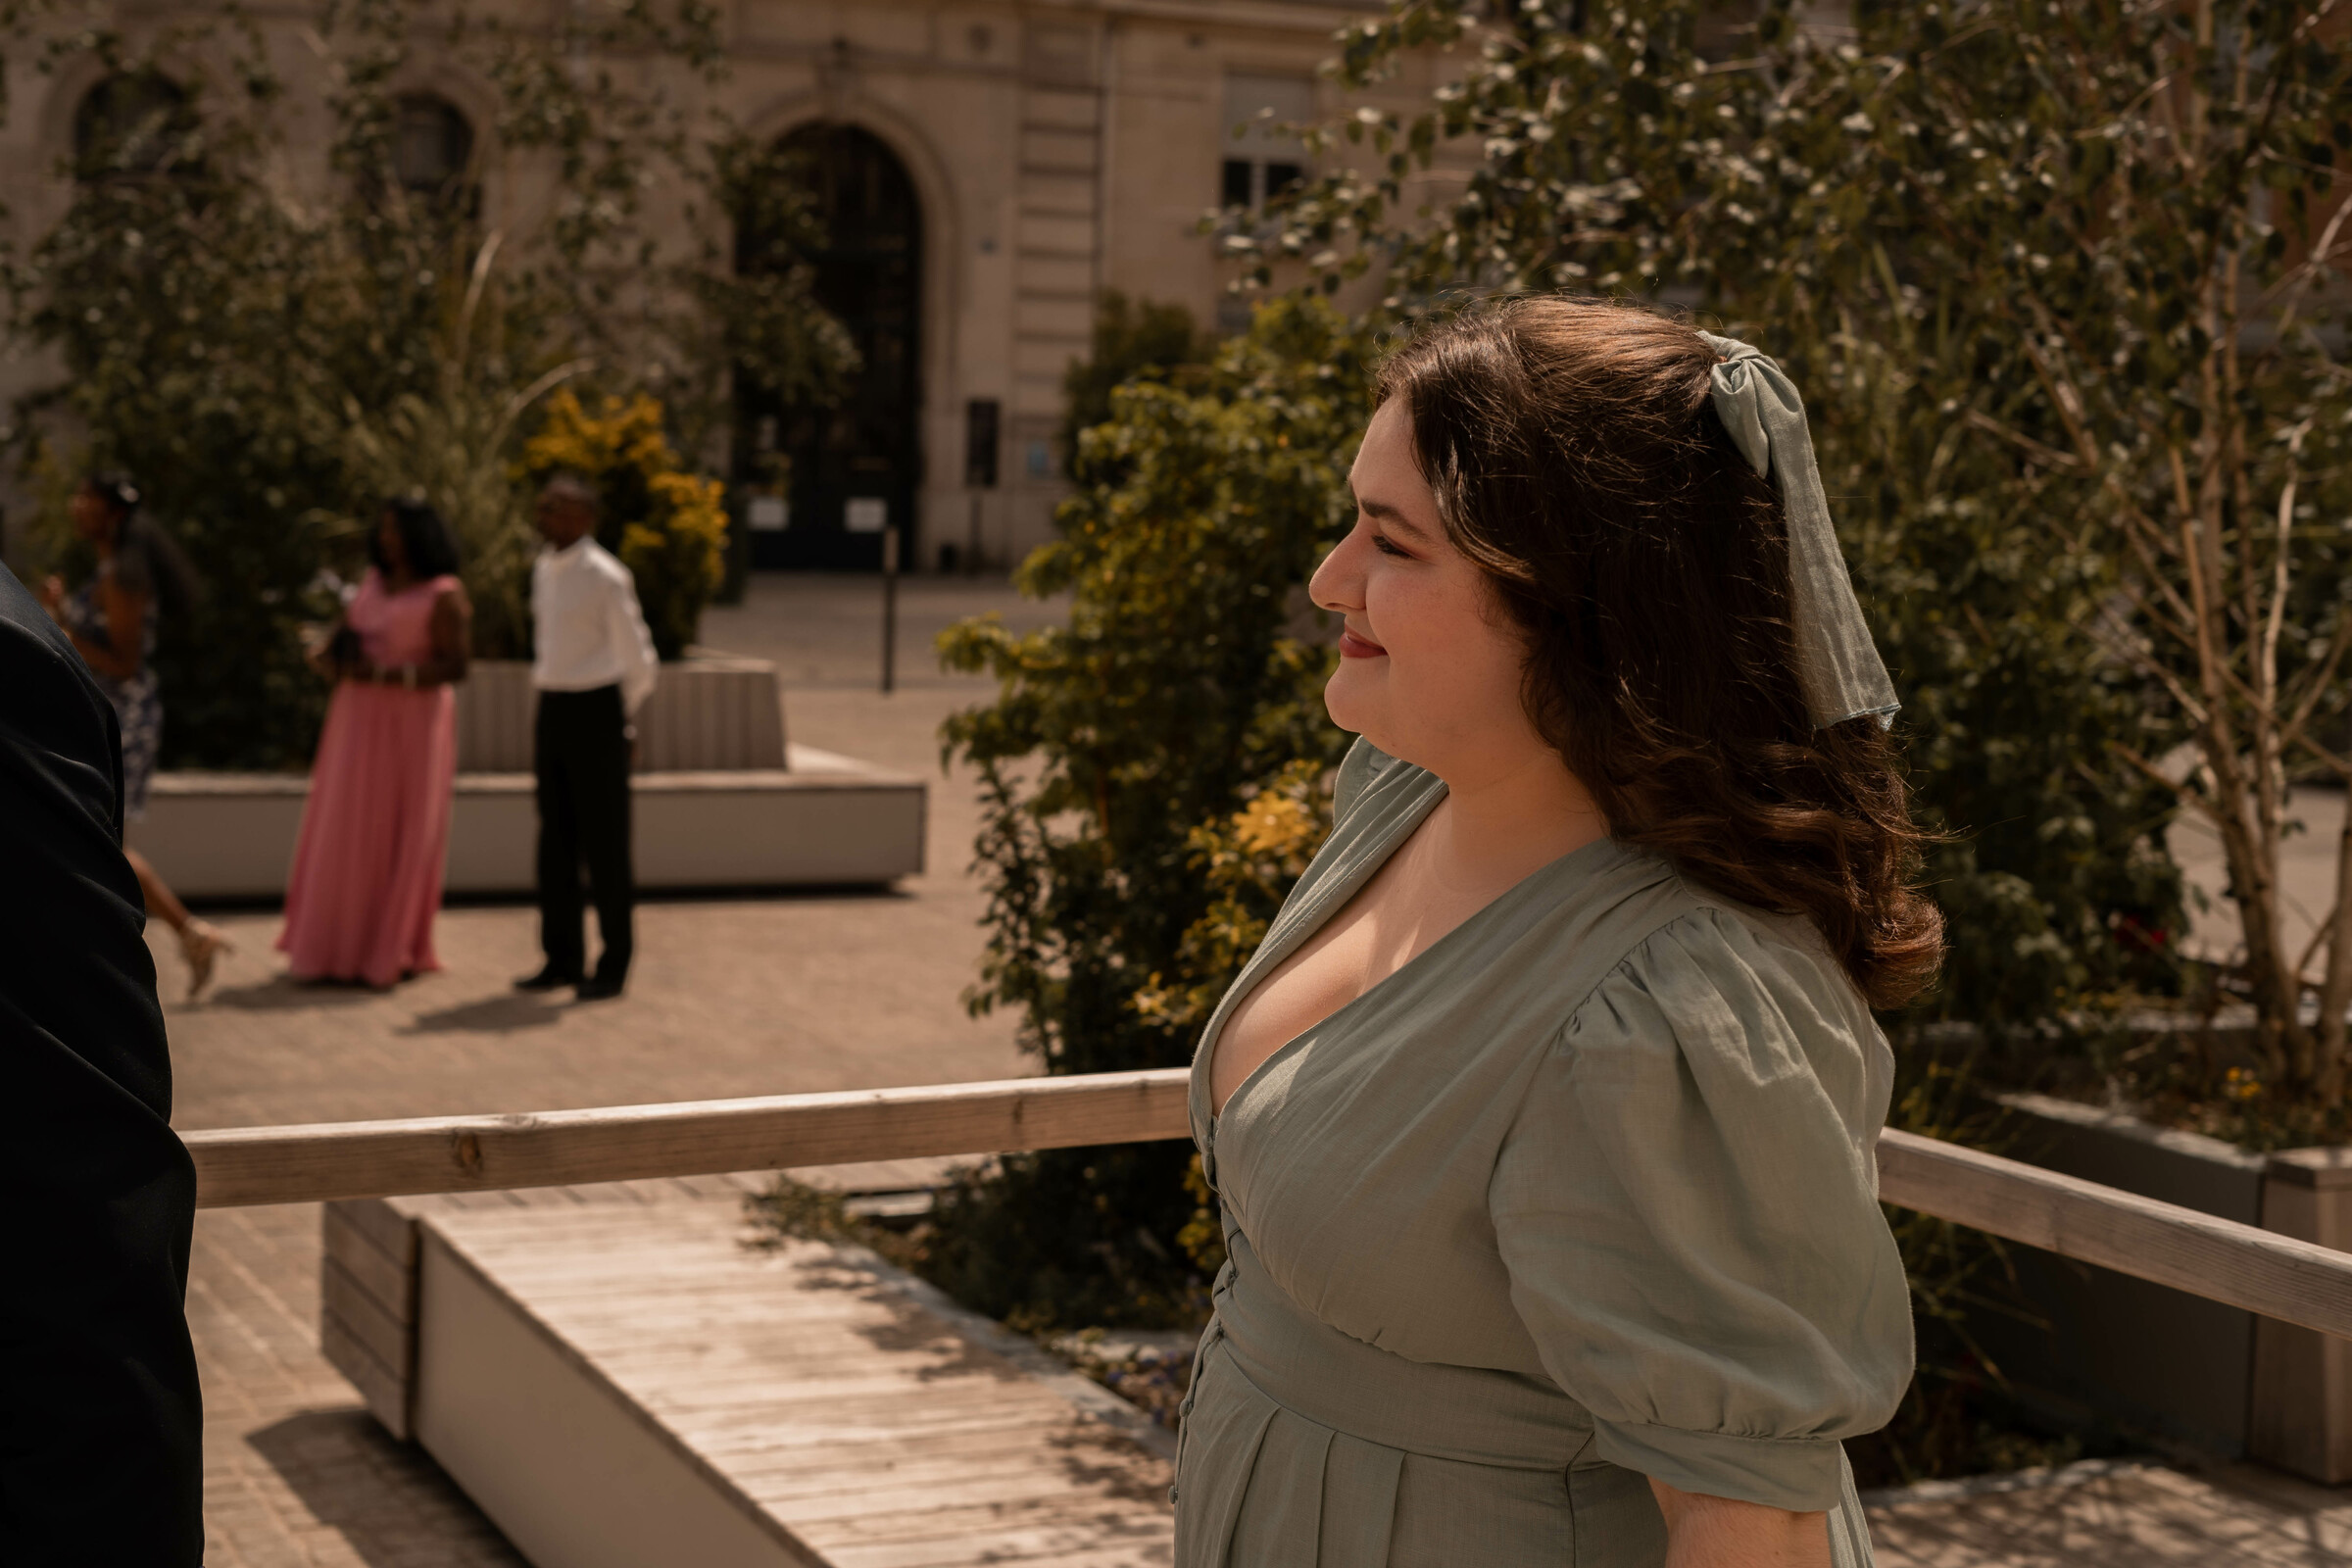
x,y
1838,665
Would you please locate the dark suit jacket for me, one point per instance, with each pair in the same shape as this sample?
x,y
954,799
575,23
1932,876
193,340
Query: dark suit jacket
x,y
100,1421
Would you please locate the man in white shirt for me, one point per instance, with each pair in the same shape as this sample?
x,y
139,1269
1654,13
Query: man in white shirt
x,y
594,667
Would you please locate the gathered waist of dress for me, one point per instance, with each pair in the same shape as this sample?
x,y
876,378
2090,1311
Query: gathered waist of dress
x,y
1478,1415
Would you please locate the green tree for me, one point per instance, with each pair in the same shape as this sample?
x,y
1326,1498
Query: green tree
x,y
271,361
755,328
1658,150
1174,695
1132,340
170,290
2110,240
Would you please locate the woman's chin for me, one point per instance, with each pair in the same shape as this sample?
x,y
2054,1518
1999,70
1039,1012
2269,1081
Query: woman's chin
x,y
1350,708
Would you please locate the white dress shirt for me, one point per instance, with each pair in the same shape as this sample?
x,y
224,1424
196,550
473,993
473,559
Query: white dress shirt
x,y
588,630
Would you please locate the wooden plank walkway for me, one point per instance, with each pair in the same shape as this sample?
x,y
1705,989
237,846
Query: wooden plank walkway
x,y
804,1404
298,1476
2146,1516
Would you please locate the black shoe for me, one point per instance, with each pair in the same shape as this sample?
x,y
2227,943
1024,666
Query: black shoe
x,y
596,991
549,978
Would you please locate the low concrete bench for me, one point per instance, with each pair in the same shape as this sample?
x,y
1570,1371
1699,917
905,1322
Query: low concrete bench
x,y
622,1381
710,712
830,820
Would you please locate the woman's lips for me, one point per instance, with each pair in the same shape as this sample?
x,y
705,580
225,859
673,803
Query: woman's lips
x,y
1353,647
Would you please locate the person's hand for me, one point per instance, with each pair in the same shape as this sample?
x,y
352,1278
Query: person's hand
x,y
52,593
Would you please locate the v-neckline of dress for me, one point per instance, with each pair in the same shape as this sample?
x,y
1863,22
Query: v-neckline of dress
x,y
1319,912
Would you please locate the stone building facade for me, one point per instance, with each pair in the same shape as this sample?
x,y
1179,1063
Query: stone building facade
x,y
990,168
1041,154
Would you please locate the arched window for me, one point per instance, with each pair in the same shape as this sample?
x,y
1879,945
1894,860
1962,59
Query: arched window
x,y
432,146
133,122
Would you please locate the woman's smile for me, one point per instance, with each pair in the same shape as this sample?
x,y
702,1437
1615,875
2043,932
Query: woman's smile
x,y
1353,646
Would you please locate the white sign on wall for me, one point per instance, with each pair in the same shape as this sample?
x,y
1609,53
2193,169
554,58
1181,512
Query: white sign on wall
x,y
866,514
769,514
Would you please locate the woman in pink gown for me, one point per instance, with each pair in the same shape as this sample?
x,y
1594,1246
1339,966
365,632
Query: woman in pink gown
x,y
366,878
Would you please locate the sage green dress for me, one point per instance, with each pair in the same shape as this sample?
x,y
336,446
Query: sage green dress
x,y
1583,1194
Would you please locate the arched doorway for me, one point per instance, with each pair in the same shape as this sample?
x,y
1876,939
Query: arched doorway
x,y
858,465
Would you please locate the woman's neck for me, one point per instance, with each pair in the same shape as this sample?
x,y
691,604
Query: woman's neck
x,y
399,579
1513,817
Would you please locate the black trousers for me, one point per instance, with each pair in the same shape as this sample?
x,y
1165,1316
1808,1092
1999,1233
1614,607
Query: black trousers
x,y
582,762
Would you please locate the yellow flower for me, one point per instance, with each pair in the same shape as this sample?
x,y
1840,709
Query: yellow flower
x,y
676,550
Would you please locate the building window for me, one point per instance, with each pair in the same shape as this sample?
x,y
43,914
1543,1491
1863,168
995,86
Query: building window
x,y
1248,182
1263,153
432,146
132,124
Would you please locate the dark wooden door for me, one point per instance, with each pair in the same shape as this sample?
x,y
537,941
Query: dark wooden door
x,y
863,458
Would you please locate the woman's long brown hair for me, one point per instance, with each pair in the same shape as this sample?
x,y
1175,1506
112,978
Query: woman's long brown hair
x,y
1577,458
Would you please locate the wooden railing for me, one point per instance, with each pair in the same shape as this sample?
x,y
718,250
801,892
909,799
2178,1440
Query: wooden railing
x,y
2258,1270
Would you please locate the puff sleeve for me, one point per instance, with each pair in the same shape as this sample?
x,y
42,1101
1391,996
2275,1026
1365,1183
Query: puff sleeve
x,y
1687,1207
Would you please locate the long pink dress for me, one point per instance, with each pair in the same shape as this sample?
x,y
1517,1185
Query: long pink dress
x,y
366,878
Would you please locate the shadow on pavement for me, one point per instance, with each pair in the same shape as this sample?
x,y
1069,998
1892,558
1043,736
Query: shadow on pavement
x,y
282,992
497,1015
388,1500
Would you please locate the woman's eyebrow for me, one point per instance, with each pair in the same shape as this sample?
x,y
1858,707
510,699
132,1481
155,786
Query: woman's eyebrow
x,y
1392,516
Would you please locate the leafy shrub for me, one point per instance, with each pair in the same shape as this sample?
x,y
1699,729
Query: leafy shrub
x,y
1134,340
1176,693
668,527
1645,152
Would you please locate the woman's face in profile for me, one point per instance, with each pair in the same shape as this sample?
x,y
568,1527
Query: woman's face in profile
x,y
1430,666
93,513
391,548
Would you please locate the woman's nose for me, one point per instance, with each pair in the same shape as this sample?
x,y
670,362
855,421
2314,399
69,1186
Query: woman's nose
x,y
1338,583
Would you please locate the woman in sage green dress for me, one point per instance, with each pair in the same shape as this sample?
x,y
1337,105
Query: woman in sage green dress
x,y
1542,1120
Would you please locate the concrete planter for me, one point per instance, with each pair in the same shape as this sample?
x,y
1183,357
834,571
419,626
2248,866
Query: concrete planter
x,y
830,821
711,713
721,801
2203,1374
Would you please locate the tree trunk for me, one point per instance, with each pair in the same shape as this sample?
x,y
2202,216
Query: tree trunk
x,y
2251,856
2336,995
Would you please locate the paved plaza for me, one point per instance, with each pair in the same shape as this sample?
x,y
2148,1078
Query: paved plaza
x,y
730,996
734,996
769,994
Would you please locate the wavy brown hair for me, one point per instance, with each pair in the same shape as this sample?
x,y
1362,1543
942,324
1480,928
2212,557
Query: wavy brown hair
x,y
1577,458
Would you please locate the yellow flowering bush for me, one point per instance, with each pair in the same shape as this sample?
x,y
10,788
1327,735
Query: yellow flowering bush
x,y
1248,862
668,526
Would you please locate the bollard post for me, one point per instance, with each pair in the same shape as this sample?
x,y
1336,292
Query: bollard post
x,y
982,420
889,606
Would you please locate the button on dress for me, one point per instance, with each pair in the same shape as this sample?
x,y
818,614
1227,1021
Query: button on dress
x,y
1583,1194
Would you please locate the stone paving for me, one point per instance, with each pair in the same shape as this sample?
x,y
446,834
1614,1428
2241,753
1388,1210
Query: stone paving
x,y
296,1472
2108,1516
775,995
727,997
